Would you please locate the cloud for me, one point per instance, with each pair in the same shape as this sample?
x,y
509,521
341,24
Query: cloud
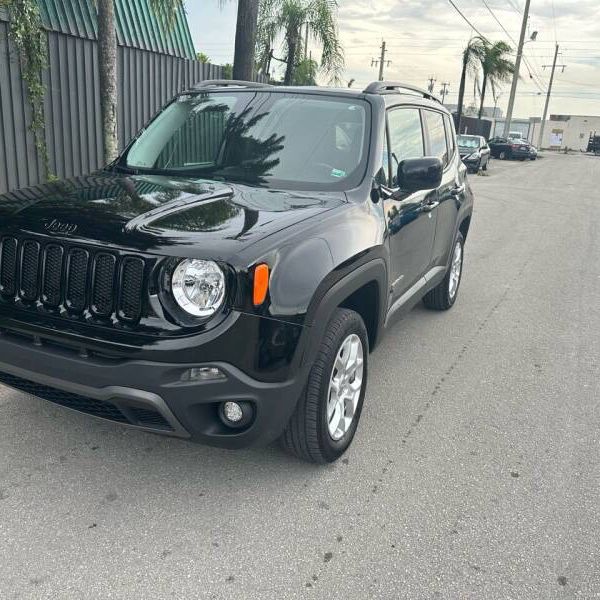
x,y
426,37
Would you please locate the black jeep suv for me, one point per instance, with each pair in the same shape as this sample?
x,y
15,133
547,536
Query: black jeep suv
x,y
225,279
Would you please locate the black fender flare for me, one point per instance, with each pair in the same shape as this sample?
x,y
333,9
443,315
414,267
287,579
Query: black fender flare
x,y
328,297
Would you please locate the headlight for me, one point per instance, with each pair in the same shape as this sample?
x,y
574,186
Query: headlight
x,y
198,286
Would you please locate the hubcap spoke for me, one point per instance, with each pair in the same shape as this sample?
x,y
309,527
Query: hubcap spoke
x,y
455,269
345,386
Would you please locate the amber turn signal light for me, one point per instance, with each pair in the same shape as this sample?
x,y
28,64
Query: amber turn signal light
x,y
261,283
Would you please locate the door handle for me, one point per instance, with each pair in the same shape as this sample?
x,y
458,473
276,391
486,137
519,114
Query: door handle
x,y
458,190
430,205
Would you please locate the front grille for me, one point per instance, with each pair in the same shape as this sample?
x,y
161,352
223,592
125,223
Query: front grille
x,y
79,279
149,418
98,408
132,415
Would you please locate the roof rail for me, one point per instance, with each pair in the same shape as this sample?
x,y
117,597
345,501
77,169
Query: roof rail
x,y
381,87
229,82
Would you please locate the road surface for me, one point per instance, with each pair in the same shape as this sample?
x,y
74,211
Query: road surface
x,y
475,473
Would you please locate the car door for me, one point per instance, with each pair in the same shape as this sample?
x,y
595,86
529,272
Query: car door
x,y
440,141
409,218
498,145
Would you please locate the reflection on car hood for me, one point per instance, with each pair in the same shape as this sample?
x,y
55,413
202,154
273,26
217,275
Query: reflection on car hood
x,y
179,217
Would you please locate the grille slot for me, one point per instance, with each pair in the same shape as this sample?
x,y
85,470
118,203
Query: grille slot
x,y
76,278
52,276
30,266
8,266
132,280
103,284
149,418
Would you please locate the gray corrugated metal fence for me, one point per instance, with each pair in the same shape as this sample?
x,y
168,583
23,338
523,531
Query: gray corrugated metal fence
x,y
146,81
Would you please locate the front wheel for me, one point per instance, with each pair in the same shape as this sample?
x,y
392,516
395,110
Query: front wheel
x,y
503,155
327,414
443,296
485,166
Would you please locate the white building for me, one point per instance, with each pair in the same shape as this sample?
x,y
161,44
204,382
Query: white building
x,y
566,131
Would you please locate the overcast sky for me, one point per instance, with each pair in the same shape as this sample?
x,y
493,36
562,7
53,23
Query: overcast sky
x,y
425,37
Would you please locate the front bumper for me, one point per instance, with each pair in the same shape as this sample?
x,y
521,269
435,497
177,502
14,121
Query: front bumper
x,y
471,162
149,395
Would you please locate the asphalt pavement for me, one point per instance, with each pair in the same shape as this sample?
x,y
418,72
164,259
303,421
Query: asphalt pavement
x,y
475,473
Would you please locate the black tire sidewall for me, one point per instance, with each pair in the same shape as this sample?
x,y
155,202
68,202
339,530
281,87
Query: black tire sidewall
x,y
330,448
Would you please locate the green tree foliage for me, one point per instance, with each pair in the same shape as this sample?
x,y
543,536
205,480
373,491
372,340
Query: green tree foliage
x,y
290,19
26,33
227,72
471,60
496,68
306,72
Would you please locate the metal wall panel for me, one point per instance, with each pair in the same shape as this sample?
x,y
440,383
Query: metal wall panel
x,y
145,80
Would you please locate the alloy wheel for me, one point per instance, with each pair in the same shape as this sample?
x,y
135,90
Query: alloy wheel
x,y
455,269
345,386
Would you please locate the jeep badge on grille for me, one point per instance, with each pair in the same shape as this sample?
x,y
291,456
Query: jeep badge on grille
x,y
56,226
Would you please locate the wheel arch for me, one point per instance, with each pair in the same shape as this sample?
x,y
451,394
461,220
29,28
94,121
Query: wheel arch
x,y
363,290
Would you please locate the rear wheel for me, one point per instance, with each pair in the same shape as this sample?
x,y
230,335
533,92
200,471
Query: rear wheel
x,y
326,417
443,296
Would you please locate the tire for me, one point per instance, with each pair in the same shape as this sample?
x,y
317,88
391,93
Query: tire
x,y
443,296
485,166
308,434
502,155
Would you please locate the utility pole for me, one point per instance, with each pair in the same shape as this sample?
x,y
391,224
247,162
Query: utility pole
x,y
513,87
444,90
381,61
543,123
431,85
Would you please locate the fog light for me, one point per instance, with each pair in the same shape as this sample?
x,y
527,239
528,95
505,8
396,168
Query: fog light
x,y
233,412
236,414
202,374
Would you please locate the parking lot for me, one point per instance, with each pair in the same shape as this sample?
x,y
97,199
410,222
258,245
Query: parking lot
x,y
475,472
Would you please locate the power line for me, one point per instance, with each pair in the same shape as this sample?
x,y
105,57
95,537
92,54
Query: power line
x,y
498,21
467,20
510,37
514,6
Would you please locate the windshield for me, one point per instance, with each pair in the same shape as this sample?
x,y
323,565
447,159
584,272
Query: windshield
x,y
469,141
299,141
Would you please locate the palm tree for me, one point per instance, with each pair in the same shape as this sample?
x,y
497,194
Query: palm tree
x,y
107,65
245,39
496,68
471,61
289,18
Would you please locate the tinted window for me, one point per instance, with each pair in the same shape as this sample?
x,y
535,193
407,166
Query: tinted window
x,y
288,140
450,136
406,136
437,135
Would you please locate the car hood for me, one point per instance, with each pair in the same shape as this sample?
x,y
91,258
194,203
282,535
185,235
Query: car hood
x,y
156,214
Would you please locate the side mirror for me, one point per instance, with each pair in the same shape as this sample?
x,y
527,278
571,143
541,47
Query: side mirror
x,y
416,174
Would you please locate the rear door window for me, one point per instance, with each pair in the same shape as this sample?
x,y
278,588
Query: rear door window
x,y
437,135
450,137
